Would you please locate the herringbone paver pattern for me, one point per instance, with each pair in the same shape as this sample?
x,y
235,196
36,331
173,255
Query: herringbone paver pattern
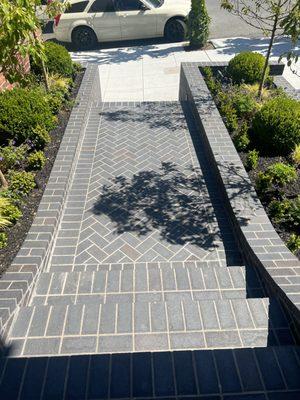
x,y
146,198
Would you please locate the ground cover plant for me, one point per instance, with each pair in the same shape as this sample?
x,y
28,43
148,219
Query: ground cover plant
x,y
265,129
33,116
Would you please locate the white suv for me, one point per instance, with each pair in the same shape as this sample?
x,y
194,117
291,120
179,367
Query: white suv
x,y
85,23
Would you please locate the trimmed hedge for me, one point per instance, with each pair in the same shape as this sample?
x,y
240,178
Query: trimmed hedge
x,y
247,67
58,61
23,113
276,127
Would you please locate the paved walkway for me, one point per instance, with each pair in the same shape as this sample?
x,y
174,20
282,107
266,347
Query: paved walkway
x,y
144,258
151,72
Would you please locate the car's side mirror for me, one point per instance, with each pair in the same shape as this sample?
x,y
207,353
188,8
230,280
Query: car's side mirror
x,y
144,7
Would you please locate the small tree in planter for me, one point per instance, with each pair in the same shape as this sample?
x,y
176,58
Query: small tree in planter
x,y
198,24
267,16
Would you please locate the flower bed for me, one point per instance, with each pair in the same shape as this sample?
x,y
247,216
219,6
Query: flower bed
x,y
32,123
266,133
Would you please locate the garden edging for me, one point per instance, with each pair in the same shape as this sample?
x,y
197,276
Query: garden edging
x,y
17,283
258,240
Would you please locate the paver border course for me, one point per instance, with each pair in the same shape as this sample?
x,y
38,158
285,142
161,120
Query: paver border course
x,y
260,244
17,283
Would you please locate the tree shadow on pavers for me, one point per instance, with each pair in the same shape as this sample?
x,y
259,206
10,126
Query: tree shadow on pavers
x,y
231,46
151,114
168,200
243,374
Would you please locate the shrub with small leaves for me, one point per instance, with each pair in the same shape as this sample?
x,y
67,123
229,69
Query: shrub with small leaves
x,y
12,156
294,243
21,183
41,137
36,160
213,84
244,104
278,209
4,220
247,67
263,182
296,155
276,126
241,139
229,114
3,240
252,159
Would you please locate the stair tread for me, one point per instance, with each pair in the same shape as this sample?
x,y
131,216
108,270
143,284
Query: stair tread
x,y
189,279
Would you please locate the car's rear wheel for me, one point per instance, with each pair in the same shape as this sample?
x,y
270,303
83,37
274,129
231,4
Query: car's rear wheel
x,y
84,38
175,30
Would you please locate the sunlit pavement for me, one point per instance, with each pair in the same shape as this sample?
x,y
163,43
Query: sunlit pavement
x,y
150,72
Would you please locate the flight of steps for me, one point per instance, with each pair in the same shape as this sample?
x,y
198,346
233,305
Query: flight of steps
x,y
148,307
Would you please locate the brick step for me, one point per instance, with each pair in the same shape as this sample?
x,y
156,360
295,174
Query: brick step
x,y
128,327
147,283
240,374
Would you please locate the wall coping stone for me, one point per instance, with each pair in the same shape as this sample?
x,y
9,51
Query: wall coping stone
x,y
260,244
17,283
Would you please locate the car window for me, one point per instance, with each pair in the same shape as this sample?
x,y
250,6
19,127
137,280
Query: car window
x,y
128,5
102,6
77,7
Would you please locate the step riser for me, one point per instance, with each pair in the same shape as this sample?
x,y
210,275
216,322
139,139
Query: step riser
x,y
126,327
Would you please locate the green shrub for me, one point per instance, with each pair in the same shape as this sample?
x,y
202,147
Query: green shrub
x,y
58,61
21,183
41,137
12,156
281,174
241,139
3,240
36,160
263,182
252,159
59,88
294,243
212,83
4,220
11,212
244,104
276,126
296,154
246,67
278,209
22,111
198,24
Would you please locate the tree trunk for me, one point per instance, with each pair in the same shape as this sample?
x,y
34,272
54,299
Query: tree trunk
x,y
262,82
3,180
45,73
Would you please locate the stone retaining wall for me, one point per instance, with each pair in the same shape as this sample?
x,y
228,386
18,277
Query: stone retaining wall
x,y
17,283
259,242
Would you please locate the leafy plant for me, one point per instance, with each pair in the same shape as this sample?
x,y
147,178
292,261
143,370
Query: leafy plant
x,y
263,182
4,220
198,24
276,126
296,154
278,209
244,104
11,212
40,137
12,156
212,83
252,159
3,240
281,174
57,61
294,243
246,67
22,111
36,160
241,139
21,183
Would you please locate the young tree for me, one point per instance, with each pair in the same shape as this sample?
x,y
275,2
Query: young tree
x,y
291,27
20,36
198,24
267,15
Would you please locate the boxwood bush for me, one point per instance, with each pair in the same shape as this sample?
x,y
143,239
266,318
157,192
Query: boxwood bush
x,y
246,67
58,61
276,127
21,112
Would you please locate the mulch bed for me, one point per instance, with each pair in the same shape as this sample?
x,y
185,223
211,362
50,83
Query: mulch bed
x,y
18,232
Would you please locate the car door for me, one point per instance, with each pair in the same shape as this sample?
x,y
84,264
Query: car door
x,y
105,20
136,20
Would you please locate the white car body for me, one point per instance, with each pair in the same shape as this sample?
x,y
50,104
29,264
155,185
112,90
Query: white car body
x,y
148,22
